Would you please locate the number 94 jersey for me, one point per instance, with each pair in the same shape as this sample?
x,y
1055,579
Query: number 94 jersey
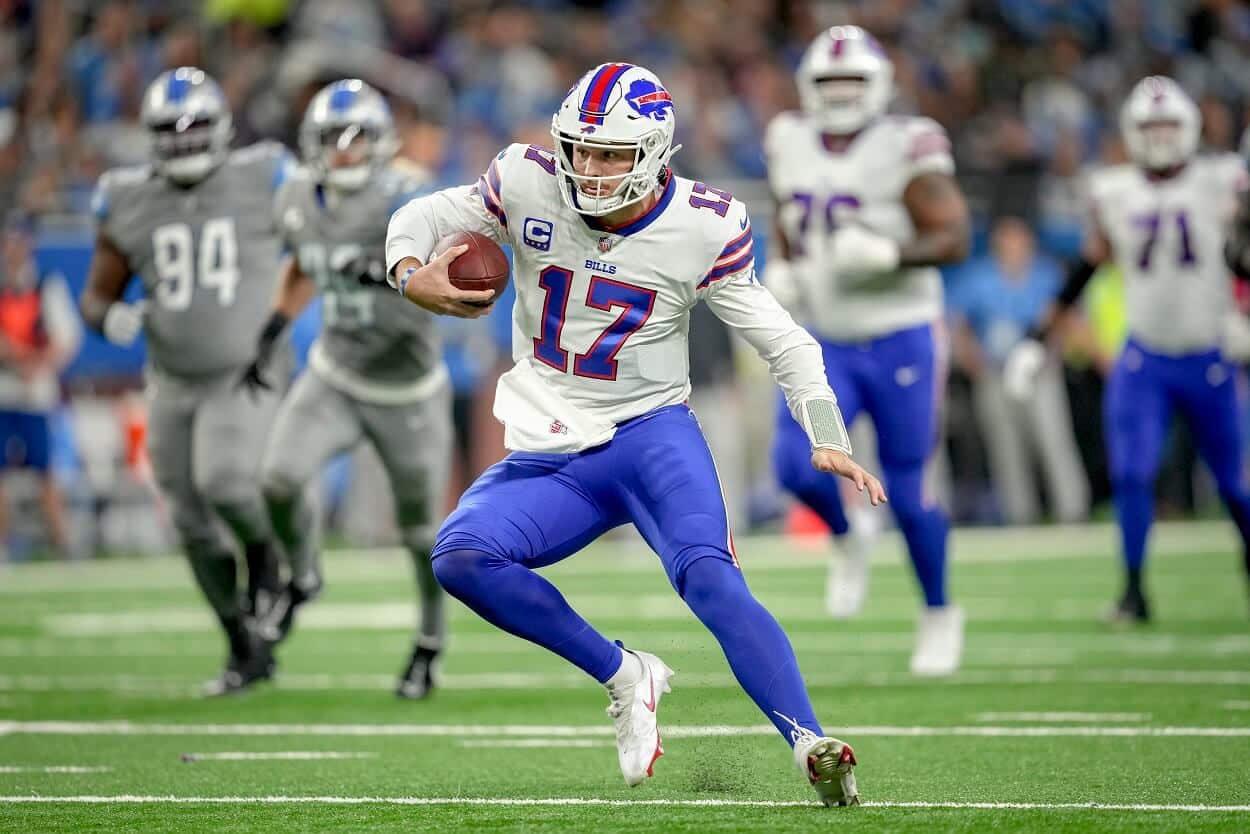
x,y
818,189
207,255
368,345
1167,236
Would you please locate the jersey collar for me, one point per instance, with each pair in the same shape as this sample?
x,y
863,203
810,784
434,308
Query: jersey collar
x,y
642,221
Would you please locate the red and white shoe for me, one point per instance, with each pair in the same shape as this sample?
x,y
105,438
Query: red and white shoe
x,y
635,702
829,765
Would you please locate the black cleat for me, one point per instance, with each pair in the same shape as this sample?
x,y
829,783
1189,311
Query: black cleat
x,y
1132,609
275,625
251,661
417,682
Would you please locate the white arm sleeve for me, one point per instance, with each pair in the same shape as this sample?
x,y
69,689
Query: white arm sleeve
x,y
419,224
793,357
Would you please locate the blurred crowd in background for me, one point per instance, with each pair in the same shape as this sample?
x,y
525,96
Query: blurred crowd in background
x,y
1029,91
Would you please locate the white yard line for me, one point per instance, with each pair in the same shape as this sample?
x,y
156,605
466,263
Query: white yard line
x,y
277,756
811,638
537,742
54,769
1063,717
176,686
131,799
364,565
128,728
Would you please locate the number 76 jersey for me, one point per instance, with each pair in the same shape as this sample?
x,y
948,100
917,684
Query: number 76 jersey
x,y
1167,237
601,317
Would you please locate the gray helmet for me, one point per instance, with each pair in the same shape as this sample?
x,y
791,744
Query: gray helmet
x,y
347,117
188,122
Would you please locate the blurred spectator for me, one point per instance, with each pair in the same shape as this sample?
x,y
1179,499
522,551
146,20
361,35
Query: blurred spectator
x,y
1029,91
996,299
39,334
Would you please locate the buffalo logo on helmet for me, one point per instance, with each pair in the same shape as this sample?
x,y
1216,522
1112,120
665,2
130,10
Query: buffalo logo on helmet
x,y
649,99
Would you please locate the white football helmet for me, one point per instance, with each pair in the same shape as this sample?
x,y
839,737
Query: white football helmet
x,y
620,107
1160,123
845,80
188,121
347,134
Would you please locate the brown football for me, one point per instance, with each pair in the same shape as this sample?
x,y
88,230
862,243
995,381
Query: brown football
x,y
483,267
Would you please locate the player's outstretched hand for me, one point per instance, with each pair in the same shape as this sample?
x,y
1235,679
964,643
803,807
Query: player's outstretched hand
x,y
839,463
429,287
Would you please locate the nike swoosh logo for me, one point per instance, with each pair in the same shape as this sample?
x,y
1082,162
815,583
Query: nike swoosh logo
x,y
650,705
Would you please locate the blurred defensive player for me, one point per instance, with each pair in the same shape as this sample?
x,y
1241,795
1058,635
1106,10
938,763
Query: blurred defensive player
x,y
1162,220
376,372
868,208
611,252
197,225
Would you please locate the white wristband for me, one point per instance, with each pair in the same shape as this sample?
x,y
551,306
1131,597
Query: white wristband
x,y
822,420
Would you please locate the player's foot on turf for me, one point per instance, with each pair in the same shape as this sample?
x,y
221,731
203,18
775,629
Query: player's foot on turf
x,y
276,624
939,641
250,661
635,691
829,765
1130,610
846,585
417,681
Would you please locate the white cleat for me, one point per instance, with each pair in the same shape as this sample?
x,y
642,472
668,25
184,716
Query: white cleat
x,y
846,586
633,708
939,641
829,765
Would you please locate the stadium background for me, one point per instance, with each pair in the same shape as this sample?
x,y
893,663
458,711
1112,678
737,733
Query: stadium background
x,y
1028,90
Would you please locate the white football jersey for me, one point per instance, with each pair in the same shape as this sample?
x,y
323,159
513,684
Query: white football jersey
x,y
1167,236
601,316
817,189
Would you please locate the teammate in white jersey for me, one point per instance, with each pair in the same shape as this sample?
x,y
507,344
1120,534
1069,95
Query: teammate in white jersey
x,y
611,251
1162,220
867,209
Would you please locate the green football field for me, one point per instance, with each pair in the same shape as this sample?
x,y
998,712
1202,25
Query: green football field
x,y
1055,724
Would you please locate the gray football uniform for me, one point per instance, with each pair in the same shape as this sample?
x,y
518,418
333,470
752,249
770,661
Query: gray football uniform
x,y
376,374
207,256
208,259
365,337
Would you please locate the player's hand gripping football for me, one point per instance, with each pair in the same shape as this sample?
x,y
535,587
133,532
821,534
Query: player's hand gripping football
x,y
839,463
429,287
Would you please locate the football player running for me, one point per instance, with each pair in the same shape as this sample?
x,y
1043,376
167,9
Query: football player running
x,y
375,373
611,252
868,208
1162,220
197,225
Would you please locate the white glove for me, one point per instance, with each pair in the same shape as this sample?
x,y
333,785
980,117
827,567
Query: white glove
x,y
1024,363
780,280
854,250
123,322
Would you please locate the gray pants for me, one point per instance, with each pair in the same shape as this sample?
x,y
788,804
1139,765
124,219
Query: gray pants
x,y
205,439
413,441
1015,431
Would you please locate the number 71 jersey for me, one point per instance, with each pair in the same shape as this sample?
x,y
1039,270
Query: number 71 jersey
x,y
601,315
1167,237
208,256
